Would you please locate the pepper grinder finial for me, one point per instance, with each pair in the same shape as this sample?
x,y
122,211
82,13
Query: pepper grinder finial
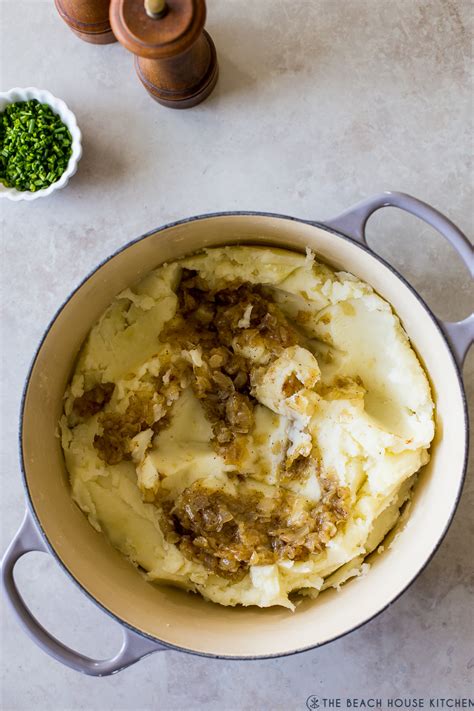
x,y
156,9
175,58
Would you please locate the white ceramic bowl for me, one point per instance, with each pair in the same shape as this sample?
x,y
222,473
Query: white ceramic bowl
x,y
69,120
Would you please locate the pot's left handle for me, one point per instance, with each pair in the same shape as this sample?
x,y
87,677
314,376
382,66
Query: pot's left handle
x,y
134,646
352,223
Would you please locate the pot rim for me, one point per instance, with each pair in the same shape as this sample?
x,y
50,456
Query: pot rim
x,y
163,228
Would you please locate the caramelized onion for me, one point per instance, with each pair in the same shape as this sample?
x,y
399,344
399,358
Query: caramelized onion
x,y
228,533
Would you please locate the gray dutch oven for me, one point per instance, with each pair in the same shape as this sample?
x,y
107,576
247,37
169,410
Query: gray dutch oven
x,y
157,618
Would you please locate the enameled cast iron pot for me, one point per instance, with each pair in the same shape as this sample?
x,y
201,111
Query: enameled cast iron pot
x,y
158,618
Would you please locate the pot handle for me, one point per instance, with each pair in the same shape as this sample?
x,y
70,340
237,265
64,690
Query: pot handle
x,y
134,646
352,223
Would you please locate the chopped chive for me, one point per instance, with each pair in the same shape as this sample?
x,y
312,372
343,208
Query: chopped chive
x,y
35,146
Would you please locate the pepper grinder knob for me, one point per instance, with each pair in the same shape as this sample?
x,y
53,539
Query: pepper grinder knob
x,y
175,58
156,9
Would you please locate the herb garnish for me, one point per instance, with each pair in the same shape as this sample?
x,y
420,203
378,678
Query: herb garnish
x,y
35,146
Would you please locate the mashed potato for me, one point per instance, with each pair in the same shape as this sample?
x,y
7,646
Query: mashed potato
x,y
246,423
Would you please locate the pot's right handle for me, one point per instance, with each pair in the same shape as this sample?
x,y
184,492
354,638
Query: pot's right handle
x,y
134,646
460,334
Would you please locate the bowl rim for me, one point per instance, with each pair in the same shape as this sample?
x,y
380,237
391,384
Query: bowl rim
x,y
68,117
244,213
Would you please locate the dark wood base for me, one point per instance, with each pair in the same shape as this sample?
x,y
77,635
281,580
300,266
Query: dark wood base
x,y
163,78
96,37
93,25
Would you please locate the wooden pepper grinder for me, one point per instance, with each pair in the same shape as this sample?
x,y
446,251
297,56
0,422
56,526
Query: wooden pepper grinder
x,y
175,57
88,19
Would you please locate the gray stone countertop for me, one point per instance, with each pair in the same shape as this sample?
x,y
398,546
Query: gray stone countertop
x,y
320,103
